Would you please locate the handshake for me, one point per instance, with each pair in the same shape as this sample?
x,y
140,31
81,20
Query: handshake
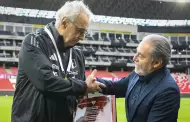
x,y
92,84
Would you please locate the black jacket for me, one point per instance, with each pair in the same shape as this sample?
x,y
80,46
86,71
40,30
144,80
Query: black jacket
x,y
42,93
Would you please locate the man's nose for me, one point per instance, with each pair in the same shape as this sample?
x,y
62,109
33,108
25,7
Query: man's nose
x,y
135,58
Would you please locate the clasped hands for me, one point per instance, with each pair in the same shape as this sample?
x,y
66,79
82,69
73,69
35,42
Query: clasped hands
x,y
92,84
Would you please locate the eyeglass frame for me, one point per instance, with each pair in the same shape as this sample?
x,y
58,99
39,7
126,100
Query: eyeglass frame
x,y
82,31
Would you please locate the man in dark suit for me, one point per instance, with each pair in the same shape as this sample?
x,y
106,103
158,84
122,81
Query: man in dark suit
x,y
151,93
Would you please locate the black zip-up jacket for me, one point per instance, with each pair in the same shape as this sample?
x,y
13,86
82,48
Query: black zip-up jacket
x,y
42,93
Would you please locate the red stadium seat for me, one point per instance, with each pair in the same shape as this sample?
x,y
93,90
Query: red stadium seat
x,y
5,85
14,70
183,82
2,70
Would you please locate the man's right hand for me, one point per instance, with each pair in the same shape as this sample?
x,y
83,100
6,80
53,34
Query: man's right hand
x,y
92,84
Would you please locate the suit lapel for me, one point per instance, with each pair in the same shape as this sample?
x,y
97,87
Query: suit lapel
x,y
132,83
148,88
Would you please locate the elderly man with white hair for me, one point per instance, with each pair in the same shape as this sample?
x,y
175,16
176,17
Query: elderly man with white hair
x,y
51,73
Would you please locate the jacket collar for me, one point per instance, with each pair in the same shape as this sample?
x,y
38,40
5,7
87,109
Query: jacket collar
x,y
58,38
156,78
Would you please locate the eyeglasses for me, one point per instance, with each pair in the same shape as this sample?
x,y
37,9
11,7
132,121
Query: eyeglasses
x,y
82,31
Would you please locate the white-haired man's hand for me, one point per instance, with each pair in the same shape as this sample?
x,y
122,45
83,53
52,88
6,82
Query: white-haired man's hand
x,y
92,84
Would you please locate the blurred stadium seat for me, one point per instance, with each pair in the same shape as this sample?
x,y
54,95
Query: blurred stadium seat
x,y
182,81
105,51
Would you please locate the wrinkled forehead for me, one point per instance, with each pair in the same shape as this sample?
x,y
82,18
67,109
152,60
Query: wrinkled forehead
x,y
144,47
82,20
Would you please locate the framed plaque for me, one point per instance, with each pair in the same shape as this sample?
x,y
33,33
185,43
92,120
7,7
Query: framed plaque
x,y
96,108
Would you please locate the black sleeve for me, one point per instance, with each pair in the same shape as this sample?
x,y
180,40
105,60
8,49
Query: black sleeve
x,y
166,106
82,62
84,76
38,68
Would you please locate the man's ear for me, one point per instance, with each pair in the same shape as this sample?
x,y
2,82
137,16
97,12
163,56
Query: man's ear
x,y
157,63
64,23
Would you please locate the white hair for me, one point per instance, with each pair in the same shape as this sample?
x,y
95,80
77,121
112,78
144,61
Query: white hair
x,y
71,10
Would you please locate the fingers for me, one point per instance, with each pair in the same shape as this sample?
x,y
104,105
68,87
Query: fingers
x,y
92,84
98,89
94,79
91,77
98,86
93,73
101,85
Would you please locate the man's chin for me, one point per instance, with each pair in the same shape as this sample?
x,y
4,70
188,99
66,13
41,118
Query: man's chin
x,y
139,73
136,71
73,44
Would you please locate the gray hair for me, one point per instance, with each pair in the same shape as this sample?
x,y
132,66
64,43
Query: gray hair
x,y
71,10
161,48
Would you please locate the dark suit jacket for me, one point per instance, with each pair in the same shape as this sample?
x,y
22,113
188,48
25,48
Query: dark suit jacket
x,y
158,102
